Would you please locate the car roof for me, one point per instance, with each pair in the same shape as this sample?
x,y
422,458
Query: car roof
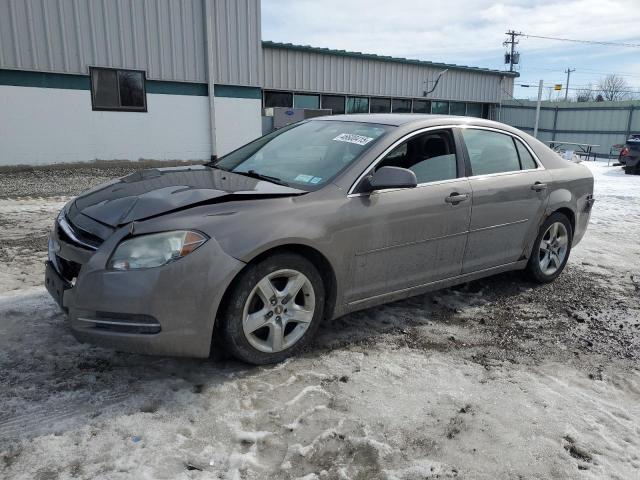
x,y
420,119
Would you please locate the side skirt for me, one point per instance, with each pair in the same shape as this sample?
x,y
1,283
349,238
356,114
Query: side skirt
x,y
428,287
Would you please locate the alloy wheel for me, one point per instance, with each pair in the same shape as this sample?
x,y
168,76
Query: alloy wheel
x,y
553,248
278,311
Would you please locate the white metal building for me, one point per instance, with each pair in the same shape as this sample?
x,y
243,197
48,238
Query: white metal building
x,y
187,79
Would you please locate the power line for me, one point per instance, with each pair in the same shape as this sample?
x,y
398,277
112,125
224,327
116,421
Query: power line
x,y
591,42
591,87
592,90
512,97
582,71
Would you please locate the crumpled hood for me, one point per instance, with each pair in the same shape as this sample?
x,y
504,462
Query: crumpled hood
x,y
153,192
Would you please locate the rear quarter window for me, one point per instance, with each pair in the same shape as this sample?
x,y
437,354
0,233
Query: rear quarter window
x,y
526,160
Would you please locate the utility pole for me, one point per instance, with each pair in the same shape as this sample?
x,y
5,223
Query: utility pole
x,y
513,60
568,72
535,129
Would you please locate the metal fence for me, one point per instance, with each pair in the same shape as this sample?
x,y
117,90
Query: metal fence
x,y
599,123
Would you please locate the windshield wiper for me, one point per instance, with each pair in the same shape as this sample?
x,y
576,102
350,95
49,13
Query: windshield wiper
x,y
260,176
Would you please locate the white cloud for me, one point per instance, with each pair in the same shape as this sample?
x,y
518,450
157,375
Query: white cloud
x,y
446,30
470,32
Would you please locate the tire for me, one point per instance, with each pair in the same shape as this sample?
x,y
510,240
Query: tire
x,y
544,248
280,322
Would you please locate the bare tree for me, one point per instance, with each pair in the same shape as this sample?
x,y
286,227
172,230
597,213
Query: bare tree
x,y
613,88
585,94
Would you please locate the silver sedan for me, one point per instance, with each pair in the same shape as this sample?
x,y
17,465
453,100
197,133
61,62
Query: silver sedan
x,y
309,223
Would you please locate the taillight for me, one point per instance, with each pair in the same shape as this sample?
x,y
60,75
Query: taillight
x,y
625,152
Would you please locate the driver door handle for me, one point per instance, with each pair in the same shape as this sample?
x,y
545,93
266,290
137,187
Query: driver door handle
x,y
538,187
455,198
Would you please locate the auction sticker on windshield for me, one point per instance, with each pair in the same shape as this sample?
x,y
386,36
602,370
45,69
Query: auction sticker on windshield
x,y
353,138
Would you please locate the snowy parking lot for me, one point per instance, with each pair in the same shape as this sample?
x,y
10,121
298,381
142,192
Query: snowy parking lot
x,y
495,379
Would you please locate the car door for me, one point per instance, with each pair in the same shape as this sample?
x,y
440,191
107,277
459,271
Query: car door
x,y
509,197
408,237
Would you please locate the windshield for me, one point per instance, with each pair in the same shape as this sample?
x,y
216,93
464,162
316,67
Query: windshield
x,y
305,155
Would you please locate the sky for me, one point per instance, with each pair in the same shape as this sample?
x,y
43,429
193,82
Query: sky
x,y
471,33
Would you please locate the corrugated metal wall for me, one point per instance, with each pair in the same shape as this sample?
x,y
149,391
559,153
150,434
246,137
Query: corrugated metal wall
x,y
164,37
167,38
238,36
598,123
293,69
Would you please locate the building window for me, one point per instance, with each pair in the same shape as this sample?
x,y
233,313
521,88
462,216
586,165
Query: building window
x,y
440,107
278,99
380,105
306,101
474,110
335,103
121,90
458,108
357,105
421,106
401,105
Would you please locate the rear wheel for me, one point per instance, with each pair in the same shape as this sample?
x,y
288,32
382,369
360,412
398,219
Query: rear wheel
x,y
273,309
551,249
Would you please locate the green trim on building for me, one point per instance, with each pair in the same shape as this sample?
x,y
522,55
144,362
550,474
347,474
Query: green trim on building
x,y
177,88
22,78
234,91
383,58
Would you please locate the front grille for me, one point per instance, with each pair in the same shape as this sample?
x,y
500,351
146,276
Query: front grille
x,y
68,269
70,233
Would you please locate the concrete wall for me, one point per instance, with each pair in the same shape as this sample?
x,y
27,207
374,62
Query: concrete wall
x,y
50,125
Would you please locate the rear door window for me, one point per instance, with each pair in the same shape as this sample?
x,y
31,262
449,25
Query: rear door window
x,y
490,152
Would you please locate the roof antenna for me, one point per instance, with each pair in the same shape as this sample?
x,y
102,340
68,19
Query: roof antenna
x,y
427,92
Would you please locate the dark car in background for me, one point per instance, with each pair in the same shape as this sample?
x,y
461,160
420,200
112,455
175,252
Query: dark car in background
x,y
630,155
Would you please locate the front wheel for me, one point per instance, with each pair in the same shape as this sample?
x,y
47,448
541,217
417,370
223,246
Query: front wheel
x,y
273,309
551,249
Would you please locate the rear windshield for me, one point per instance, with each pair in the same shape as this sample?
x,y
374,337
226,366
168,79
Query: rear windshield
x,y
305,155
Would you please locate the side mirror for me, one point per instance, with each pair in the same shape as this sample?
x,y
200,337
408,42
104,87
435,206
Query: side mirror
x,y
389,177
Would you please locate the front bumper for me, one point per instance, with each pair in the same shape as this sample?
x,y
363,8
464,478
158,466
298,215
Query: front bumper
x,y
168,310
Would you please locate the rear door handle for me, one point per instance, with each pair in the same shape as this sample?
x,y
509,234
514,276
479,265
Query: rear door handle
x,y
538,187
455,198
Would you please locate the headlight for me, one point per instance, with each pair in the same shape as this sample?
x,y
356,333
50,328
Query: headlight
x,y
154,250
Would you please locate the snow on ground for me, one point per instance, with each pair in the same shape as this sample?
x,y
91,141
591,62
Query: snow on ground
x,y
612,237
24,227
495,379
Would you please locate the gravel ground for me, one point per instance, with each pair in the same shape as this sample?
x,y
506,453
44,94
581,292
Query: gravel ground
x,y
498,378
65,179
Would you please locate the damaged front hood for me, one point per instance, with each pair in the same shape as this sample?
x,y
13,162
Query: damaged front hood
x,y
153,192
